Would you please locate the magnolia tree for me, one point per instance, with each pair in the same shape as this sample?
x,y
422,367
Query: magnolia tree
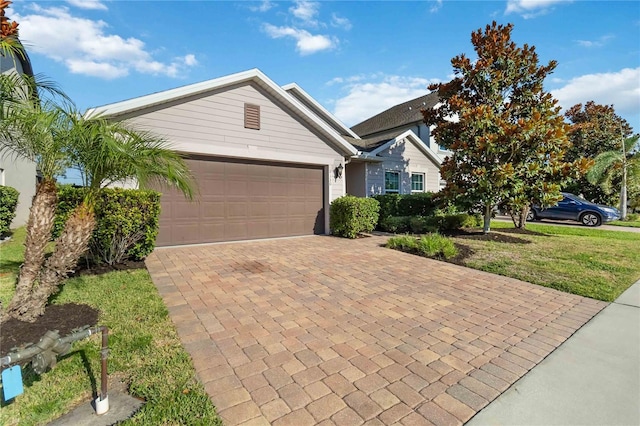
x,y
507,138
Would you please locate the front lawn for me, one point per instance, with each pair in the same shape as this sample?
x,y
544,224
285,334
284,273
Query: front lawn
x,y
629,223
590,262
144,352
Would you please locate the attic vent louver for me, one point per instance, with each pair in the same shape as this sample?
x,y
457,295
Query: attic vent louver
x,y
252,116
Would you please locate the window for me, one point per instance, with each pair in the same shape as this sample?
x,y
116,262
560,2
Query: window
x,y
417,182
252,116
392,182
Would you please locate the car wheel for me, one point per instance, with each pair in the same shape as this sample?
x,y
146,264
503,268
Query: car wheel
x,y
591,219
531,216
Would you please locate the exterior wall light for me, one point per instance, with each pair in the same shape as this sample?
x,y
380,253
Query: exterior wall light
x,y
338,171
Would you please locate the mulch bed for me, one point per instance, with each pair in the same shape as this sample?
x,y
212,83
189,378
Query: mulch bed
x,y
498,237
64,318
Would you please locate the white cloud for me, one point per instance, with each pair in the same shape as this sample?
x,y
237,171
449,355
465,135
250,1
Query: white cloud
x,y
531,8
339,22
264,6
368,96
96,69
85,46
620,89
595,43
306,43
306,11
436,5
88,4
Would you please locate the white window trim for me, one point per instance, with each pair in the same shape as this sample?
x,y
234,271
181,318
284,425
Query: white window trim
x,y
424,182
391,191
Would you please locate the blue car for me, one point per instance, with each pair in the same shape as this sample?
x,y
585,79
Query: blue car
x,y
575,208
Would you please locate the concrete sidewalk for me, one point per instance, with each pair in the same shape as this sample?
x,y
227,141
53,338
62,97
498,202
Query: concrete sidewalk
x,y
591,379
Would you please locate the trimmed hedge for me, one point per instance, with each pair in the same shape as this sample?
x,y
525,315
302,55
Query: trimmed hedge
x,y
8,203
349,216
127,222
426,224
420,204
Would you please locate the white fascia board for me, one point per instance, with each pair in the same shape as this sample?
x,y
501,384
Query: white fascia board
x,y
409,134
254,75
293,87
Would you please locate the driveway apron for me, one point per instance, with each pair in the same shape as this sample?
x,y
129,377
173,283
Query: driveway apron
x,y
322,330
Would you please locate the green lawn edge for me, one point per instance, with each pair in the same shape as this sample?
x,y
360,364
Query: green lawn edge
x,y
144,352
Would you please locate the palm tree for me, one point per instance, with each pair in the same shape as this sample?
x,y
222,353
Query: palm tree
x,y
618,166
105,152
28,131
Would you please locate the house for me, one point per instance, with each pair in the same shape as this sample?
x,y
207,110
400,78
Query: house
x,y
16,172
267,161
396,153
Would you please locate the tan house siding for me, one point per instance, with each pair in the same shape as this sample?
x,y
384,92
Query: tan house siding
x,y
213,124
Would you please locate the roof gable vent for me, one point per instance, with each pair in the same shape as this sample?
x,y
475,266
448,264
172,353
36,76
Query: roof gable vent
x,y
252,116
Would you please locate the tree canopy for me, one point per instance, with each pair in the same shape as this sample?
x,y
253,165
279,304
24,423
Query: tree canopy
x,y
595,129
506,134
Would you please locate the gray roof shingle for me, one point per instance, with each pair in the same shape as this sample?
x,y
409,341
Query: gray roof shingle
x,y
396,116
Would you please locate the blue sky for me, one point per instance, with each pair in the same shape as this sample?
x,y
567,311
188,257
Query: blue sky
x,y
356,58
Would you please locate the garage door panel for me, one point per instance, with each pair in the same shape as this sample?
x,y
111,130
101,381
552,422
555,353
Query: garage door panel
x,y
240,199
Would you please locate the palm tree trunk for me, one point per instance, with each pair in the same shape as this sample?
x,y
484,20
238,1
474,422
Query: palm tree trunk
x,y
70,246
39,226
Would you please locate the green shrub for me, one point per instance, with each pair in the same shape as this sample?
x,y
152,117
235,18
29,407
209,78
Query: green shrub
x,y
419,204
8,204
396,224
632,217
422,225
127,222
430,245
388,205
349,215
403,242
451,222
435,245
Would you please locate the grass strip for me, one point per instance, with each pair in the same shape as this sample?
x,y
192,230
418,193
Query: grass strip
x,y
145,352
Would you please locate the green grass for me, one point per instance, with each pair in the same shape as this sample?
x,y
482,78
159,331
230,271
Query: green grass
x,y
589,262
429,245
630,223
145,353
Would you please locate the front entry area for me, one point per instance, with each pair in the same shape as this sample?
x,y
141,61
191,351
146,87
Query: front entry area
x,y
240,199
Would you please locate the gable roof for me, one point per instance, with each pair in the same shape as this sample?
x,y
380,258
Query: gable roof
x,y
397,116
297,92
132,106
411,136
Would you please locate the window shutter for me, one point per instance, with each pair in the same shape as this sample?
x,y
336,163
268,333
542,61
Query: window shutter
x,y
252,116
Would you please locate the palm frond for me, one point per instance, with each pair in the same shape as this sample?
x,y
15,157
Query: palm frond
x,y
604,164
107,152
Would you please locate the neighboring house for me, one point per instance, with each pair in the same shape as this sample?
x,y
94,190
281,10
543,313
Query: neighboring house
x,y
267,161
16,172
396,152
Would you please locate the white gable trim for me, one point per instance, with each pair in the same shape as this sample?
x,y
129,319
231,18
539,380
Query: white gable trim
x,y
410,135
253,75
327,116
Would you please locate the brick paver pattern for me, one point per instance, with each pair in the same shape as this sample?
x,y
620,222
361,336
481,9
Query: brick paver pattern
x,y
322,330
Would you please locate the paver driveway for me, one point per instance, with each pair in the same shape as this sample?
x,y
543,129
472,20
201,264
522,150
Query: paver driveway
x,y
326,330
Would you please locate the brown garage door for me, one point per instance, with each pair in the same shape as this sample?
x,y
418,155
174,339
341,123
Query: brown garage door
x,y
240,200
